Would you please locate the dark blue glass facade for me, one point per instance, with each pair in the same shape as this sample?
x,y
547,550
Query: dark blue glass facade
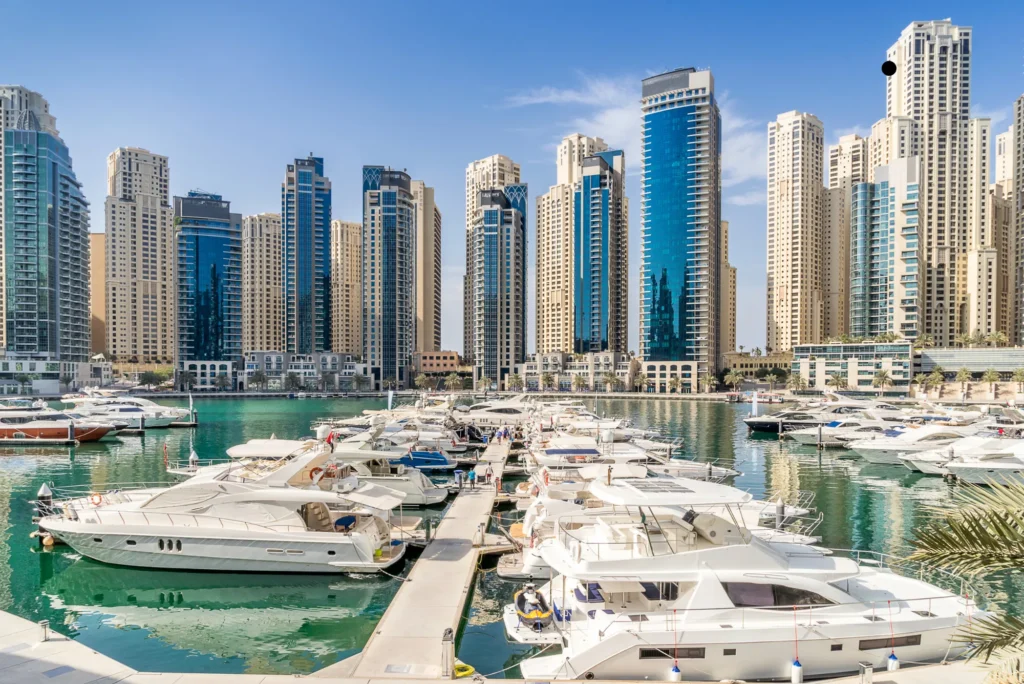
x,y
306,236
209,266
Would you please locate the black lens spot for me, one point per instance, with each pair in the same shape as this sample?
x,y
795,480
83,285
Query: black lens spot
x,y
889,68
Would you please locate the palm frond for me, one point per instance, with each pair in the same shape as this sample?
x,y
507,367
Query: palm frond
x,y
974,539
995,632
994,496
1007,671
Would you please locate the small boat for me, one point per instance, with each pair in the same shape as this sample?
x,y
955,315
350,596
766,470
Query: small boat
x,y
532,608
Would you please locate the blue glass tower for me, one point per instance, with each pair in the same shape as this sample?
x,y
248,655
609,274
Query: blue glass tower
x,y
209,265
600,255
46,248
306,236
680,220
499,288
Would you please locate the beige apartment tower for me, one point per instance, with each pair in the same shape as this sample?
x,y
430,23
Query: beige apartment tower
x,y
140,258
428,268
262,284
727,320
490,173
1017,207
891,139
554,290
847,166
1004,161
932,85
795,231
98,291
347,287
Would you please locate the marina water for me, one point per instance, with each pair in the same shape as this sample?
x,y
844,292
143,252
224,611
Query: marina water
x,y
215,622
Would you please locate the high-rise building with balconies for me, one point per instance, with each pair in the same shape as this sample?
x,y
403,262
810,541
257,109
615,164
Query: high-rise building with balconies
x,y
306,236
262,291
347,287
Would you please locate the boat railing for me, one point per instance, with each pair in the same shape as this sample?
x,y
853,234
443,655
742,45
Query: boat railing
x,y
192,466
67,493
154,518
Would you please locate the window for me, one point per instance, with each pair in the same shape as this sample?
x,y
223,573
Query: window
x,y
751,595
652,653
890,642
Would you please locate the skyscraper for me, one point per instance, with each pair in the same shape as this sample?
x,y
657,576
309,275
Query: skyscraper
x,y
209,267
1004,160
499,289
680,289
20,108
891,138
306,236
428,268
727,325
600,259
494,172
884,248
98,291
140,258
1017,206
932,85
46,235
262,289
848,162
389,275
796,231
982,255
347,287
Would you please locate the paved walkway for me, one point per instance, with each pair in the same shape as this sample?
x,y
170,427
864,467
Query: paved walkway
x,y
407,641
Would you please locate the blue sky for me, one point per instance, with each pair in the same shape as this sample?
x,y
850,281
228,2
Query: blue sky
x,y
231,92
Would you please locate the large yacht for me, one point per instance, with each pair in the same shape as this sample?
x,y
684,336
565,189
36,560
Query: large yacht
x,y
978,459
495,414
694,595
888,447
48,424
841,432
137,417
795,419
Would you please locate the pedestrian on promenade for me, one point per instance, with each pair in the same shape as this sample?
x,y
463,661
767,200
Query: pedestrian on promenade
x,y
472,479
488,474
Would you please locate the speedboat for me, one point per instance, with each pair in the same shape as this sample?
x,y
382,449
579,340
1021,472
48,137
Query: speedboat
x,y
694,595
223,523
887,448
49,424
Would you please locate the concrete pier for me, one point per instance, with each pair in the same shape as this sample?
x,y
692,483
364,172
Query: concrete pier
x,y
408,640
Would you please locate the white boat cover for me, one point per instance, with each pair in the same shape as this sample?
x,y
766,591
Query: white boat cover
x,y
270,448
666,491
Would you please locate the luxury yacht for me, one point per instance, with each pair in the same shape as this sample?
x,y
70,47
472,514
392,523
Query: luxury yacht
x,y
49,424
137,417
796,419
841,432
225,523
94,398
888,447
374,443
495,414
979,459
694,595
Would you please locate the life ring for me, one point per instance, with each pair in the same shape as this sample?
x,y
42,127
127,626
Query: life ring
x,y
314,472
547,477
96,499
463,670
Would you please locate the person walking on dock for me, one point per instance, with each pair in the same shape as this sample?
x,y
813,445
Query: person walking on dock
x,y
472,479
488,474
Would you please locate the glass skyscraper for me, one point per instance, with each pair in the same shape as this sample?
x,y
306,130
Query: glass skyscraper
x,y
306,244
600,255
209,267
680,220
389,275
46,247
499,282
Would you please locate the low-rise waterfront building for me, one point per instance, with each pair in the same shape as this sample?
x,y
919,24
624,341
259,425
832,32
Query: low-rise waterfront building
x,y
51,378
557,371
435,362
856,364
749,363
327,371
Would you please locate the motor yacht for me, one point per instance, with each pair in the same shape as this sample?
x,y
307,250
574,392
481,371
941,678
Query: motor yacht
x,y
694,595
137,417
933,461
841,432
494,414
225,523
49,424
978,459
96,398
888,447
796,419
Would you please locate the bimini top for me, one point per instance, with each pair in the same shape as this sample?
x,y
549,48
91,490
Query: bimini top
x,y
270,448
666,491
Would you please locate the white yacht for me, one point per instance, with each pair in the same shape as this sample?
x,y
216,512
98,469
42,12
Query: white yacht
x,y
225,523
137,417
693,595
887,448
494,414
979,459
92,397
841,432
795,419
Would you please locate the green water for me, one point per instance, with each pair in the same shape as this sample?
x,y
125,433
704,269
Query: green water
x,y
192,622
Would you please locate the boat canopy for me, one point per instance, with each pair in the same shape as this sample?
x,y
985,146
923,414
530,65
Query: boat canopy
x,y
270,448
667,491
618,470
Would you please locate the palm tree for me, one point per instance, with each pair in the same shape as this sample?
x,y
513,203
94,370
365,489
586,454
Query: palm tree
x,y
484,382
938,379
222,382
188,379
837,381
390,383
1018,377
328,378
924,341
453,382
772,378
991,376
921,380
640,381
963,376
292,382
258,378
546,381
881,380
611,381
578,383
734,379
709,382
756,351
674,384
997,339
962,340
66,380
980,535
422,381
741,349
361,381
515,382
796,382
22,379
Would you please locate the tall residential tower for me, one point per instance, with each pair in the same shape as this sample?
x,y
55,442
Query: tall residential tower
x,y
262,291
347,287
428,268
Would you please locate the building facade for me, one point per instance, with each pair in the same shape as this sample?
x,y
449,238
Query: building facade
x,y
435,362
347,288
727,334
428,268
884,252
1004,160
327,371
600,372
490,173
848,164
262,283
600,255
933,85
555,261
499,288
796,291
98,292
209,271
24,109
46,236
389,275
140,258
856,364
306,244
680,283
1017,206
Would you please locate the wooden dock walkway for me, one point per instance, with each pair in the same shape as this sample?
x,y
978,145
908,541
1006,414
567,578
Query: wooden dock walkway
x,y
408,640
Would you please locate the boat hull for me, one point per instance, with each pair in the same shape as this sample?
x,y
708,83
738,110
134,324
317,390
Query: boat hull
x,y
83,433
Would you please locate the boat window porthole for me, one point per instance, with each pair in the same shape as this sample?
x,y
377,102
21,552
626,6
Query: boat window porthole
x,y
837,647
330,553
130,542
589,675
160,544
97,540
177,545
729,651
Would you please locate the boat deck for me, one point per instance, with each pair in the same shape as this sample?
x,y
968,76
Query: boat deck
x,y
407,642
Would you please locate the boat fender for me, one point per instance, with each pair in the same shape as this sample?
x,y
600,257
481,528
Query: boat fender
x,y
315,472
463,670
797,675
48,540
892,663
674,675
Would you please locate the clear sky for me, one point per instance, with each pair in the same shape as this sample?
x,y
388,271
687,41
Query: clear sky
x,y
233,91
